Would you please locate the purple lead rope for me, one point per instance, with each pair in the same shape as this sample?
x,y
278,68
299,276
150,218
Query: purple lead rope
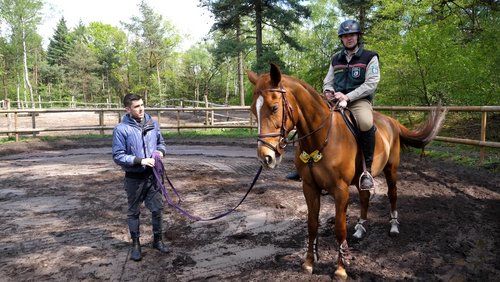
x,y
159,172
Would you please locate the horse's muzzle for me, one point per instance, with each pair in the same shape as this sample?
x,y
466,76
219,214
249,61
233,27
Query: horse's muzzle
x,y
267,157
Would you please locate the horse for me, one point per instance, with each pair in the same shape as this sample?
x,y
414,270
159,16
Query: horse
x,y
328,157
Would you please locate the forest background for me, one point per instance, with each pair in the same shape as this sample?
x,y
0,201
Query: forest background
x,y
430,51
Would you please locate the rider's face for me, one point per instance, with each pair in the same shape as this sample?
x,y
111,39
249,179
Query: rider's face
x,y
349,40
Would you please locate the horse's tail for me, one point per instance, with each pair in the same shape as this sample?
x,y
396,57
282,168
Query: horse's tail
x,y
421,136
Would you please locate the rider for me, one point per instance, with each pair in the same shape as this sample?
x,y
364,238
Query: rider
x,y
353,77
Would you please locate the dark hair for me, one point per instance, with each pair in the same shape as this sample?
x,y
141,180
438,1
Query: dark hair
x,y
127,100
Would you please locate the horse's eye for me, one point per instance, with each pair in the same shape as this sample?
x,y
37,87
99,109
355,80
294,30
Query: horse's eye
x,y
274,109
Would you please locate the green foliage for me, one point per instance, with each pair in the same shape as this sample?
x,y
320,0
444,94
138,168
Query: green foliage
x,y
429,51
59,45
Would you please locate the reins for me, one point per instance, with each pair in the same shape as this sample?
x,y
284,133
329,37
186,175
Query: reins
x,y
160,176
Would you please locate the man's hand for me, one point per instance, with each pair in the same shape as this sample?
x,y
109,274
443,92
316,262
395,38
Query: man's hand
x,y
148,162
160,153
329,95
341,96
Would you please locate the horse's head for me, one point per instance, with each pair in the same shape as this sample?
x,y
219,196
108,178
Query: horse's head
x,y
275,119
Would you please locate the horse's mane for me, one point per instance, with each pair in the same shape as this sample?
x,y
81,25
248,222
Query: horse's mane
x,y
303,83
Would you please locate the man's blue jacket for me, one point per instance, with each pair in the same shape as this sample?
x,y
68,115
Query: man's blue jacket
x,y
133,142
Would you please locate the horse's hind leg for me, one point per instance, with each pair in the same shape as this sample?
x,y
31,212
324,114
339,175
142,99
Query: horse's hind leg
x,y
390,172
312,197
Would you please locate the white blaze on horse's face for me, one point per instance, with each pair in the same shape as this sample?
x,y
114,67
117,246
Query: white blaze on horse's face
x,y
258,107
266,156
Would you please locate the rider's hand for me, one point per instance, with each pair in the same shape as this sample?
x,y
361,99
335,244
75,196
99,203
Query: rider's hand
x,y
160,153
329,95
148,162
341,96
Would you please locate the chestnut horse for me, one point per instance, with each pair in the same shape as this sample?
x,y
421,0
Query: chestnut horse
x,y
328,157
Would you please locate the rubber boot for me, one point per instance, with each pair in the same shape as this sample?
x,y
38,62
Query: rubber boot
x,y
159,245
293,176
135,254
368,146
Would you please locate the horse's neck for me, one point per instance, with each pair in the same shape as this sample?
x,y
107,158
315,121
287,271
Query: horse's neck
x,y
313,122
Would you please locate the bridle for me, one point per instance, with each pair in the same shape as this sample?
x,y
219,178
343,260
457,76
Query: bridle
x,y
287,111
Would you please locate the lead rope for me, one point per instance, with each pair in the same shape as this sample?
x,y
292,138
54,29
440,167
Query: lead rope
x,y
161,174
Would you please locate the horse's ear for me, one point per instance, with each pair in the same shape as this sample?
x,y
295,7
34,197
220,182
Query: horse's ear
x,y
253,77
275,74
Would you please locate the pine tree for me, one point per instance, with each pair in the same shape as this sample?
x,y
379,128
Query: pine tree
x,y
59,44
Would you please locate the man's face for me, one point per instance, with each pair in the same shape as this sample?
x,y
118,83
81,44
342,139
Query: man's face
x,y
136,110
349,40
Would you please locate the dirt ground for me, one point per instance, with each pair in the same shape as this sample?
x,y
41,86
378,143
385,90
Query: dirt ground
x,y
62,218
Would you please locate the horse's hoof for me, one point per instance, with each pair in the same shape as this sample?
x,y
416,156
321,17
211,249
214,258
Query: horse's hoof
x,y
359,234
308,269
341,275
360,230
394,233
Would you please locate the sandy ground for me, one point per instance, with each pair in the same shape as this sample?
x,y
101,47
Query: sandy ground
x,y
63,219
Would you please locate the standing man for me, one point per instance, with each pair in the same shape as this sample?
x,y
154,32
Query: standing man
x,y
353,77
135,140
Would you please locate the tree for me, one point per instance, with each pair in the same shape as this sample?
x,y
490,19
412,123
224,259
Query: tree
x,y
81,70
281,16
358,9
155,39
108,43
228,21
59,44
22,17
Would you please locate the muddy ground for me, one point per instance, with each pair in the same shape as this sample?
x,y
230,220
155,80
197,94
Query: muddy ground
x,y
62,218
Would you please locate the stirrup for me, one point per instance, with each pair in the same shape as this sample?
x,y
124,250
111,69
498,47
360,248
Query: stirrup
x,y
366,174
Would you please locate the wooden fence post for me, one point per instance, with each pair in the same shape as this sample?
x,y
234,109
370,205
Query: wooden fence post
x,y
9,117
16,126
483,137
101,121
206,111
33,122
178,122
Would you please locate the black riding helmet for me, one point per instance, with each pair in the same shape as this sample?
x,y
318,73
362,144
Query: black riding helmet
x,y
349,26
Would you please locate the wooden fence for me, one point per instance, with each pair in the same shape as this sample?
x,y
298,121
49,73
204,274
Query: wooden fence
x,y
30,121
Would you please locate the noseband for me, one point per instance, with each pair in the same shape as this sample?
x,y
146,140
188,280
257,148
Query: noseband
x,y
287,110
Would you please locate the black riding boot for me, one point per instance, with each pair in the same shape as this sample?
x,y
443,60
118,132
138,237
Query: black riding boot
x,y
293,175
368,146
159,245
135,254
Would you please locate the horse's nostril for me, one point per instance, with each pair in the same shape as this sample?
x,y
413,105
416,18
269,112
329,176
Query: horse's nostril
x,y
268,159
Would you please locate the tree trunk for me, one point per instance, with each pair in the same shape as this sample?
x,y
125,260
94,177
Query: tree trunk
x,y
258,29
4,79
26,74
422,77
159,81
241,85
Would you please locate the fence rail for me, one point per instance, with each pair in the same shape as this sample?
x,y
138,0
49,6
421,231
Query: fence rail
x,y
27,121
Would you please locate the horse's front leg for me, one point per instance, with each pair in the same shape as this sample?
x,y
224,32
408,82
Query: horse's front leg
x,y
312,197
364,200
341,201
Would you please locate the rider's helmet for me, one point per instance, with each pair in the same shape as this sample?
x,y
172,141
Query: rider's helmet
x,y
349,26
